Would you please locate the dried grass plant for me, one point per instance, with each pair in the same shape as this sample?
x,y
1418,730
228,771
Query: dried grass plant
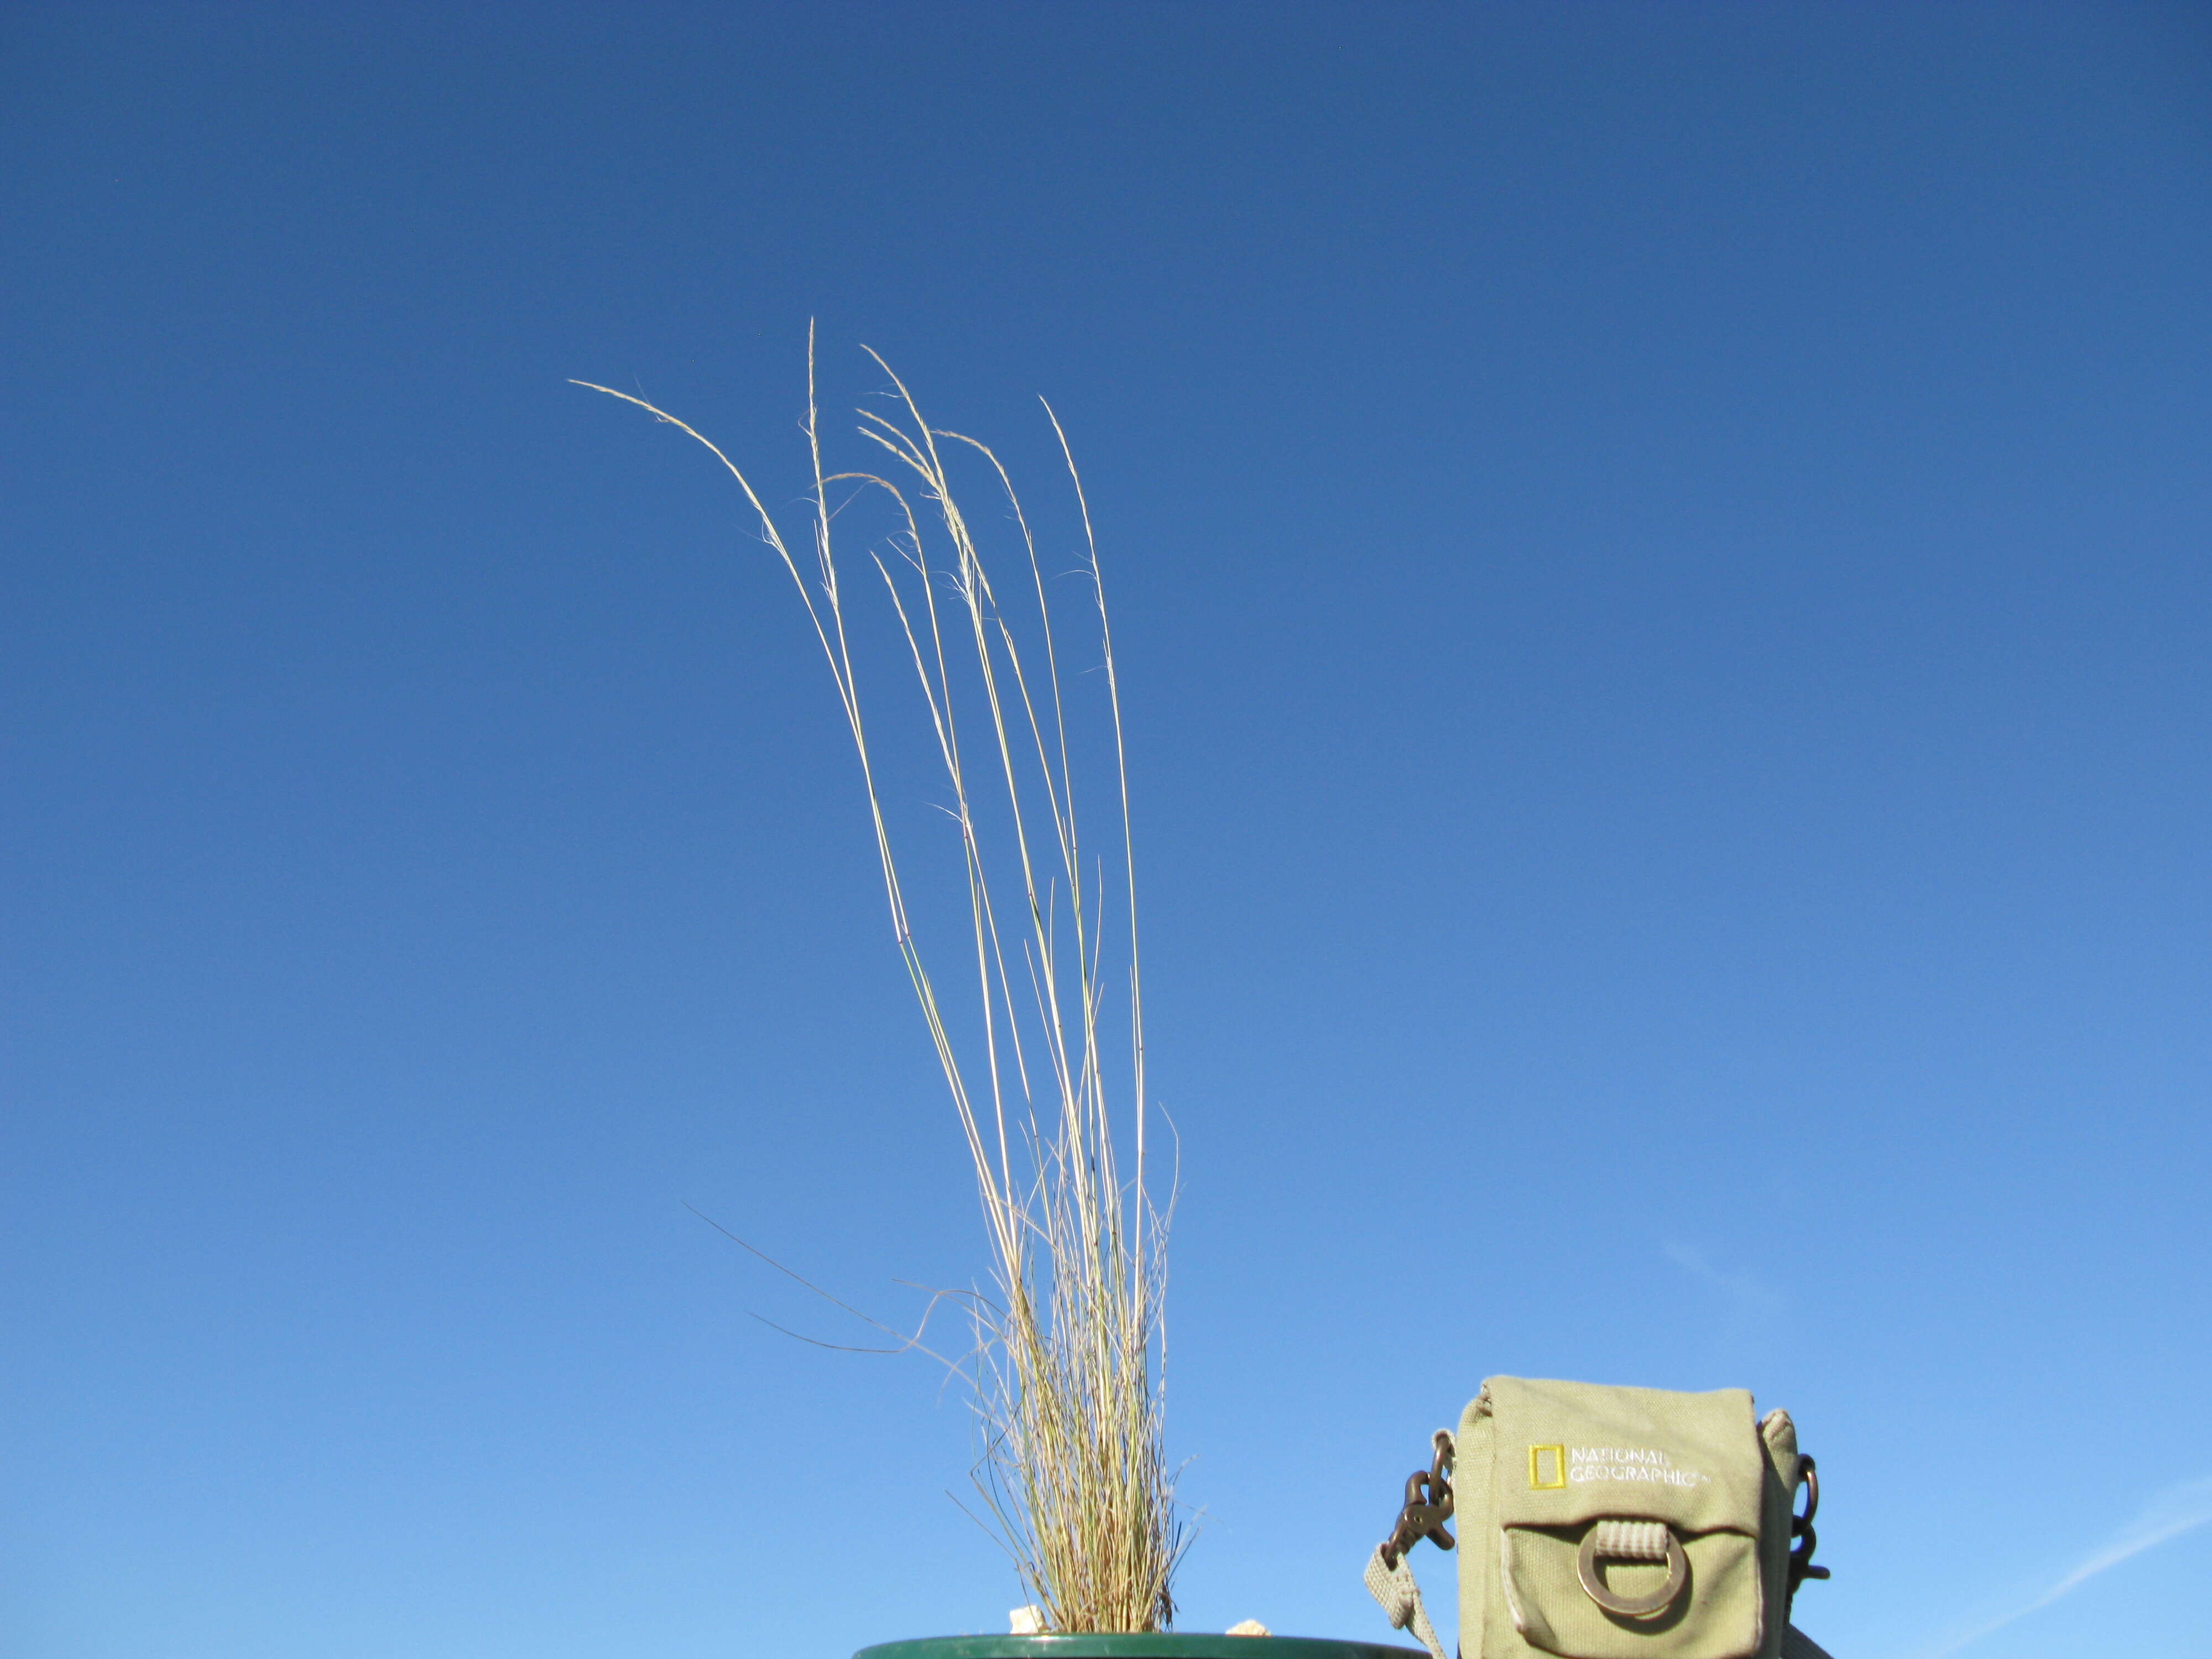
x,y
1067,1364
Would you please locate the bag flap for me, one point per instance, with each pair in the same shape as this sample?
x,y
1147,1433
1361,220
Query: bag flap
x,y
1567,1453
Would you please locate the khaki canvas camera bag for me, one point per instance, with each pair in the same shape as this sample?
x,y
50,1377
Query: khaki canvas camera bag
x,y
1599,1523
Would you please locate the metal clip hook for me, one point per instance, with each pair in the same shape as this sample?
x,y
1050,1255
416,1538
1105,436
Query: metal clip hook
x,y
1428,1506
1800,1528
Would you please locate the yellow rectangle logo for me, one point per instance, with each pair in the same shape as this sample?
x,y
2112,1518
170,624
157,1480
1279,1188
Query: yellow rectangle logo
x,y
1558,1455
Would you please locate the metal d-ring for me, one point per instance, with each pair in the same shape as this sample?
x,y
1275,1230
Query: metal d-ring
x,y
1628,1607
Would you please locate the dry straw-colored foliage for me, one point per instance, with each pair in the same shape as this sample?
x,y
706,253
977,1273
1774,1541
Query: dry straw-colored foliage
x,y
1066,1368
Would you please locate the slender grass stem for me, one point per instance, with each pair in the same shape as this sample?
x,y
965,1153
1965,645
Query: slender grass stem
x,y
1066,1366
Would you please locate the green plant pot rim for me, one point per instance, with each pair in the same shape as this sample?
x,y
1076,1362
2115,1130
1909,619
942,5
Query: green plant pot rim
x,y
1168,1644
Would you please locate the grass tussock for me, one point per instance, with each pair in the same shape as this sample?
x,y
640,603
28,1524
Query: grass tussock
x,y
1066,1365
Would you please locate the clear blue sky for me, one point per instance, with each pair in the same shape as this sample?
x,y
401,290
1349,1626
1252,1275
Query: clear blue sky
x,y
1661,566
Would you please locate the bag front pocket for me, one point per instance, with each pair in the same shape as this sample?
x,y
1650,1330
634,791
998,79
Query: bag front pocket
x,y
1620,1587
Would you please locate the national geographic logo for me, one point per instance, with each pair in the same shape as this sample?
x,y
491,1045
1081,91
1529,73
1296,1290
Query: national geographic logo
x,y
1554,1468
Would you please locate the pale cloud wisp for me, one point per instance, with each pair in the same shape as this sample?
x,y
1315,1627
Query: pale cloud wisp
x,y
2181,1508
